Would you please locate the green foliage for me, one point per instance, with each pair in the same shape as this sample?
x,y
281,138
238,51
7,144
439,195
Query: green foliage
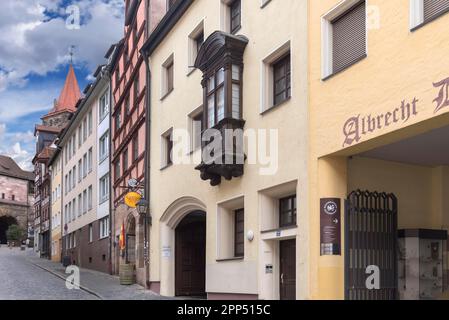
x,y
15,233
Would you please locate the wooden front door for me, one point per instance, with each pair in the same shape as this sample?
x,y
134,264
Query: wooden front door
x,y
190,256
287,286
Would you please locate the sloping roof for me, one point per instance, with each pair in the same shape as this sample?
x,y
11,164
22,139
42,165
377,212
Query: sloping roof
x,y
69,96
8,167
47,129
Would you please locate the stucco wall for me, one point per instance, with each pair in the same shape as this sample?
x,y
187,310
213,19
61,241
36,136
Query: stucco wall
x,y
177,181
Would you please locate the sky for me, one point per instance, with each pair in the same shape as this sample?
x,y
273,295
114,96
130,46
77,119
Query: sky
x,y
35,41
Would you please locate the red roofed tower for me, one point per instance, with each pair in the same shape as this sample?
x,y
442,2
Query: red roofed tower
x,y
46,132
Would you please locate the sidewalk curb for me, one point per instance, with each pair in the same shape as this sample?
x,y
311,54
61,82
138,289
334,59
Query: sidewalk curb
x,y
90,291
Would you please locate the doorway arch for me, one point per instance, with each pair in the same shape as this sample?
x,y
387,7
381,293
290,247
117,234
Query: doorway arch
x,y
172,218
5,223
190,255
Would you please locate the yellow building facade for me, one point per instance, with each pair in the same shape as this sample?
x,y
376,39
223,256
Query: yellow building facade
x,y
355,93
379,123
56,205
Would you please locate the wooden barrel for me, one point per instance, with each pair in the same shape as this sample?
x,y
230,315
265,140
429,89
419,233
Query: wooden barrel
x,y
127,274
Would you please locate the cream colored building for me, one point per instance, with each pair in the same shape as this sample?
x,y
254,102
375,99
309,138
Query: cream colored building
x,y
86,241
228,240
56,206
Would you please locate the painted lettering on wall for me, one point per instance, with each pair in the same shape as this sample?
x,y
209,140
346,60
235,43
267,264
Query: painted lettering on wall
x,y
442,100
358,126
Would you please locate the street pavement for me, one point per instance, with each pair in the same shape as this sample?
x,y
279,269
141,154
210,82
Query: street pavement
x,y
21,280
24,276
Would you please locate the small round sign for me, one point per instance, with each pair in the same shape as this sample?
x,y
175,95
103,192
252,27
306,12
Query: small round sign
x,y
330,208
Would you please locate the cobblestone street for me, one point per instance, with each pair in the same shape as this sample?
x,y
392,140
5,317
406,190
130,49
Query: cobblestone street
x,y
23,276
21,280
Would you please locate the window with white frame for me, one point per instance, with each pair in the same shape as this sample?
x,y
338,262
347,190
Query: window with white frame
x,y
195,128
89,198
231,15
167,76
80,136
89,159
167,149
91,233
85,165
80,205
104,106
344,37
104,188
85,129
84,201
80,170
104,228
196,39
425,11
104,146
90,122
276,77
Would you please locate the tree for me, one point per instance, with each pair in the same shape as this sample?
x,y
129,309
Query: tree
x,y
15,233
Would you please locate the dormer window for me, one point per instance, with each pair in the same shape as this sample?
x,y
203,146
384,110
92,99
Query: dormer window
x,y
221,60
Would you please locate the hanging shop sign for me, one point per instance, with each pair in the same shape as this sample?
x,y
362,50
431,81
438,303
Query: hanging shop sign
x,y
330,226
132,198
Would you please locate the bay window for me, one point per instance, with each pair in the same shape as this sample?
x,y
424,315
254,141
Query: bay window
x,y
221,60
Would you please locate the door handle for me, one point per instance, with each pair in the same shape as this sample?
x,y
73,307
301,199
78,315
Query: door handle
x,y
282,278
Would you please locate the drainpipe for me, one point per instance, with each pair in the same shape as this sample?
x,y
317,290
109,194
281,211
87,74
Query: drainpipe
x,y
147,219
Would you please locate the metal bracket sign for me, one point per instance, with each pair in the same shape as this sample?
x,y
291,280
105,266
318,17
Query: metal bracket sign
x,y
330,226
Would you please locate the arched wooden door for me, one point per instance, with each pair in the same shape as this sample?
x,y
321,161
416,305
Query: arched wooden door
x,y
190,255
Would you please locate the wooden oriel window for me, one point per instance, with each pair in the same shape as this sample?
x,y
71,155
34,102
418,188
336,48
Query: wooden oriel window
x,y
287,211
282,80
239,233
236,16
224,95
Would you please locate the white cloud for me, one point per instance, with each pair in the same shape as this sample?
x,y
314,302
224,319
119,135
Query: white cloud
x,y
34,40
13,145
33,43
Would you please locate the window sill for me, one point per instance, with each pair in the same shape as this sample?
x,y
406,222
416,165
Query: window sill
x,y
345,68
276,106
103,201
265,4
167,94
166,166
231,259
191,71
422,24
280,229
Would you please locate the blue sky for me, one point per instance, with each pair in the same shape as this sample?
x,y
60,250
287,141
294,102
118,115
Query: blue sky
x,y
35,37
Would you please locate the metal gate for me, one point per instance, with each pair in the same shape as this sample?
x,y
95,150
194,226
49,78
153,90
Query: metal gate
x,y
371,240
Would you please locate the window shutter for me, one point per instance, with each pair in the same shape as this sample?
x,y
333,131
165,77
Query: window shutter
x,y
433,8
349,37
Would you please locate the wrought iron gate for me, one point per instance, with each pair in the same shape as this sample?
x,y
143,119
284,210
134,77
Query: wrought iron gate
x,y
371,240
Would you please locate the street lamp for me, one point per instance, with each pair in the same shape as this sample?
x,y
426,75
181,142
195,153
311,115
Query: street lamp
x,y
142,208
